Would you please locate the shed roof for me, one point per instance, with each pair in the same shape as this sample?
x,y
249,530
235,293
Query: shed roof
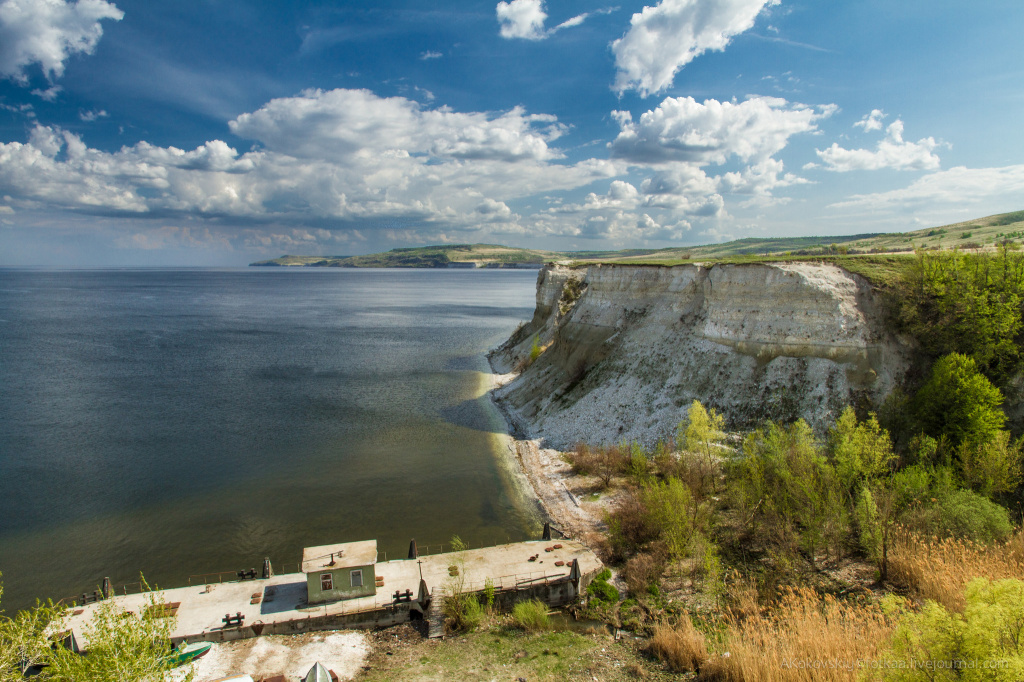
x,y
344,555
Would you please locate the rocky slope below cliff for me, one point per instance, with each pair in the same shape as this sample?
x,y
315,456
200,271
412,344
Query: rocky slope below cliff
x,y
626,349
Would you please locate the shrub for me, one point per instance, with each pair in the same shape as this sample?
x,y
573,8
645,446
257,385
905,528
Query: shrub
x,y
531,615
601,590
462,612
659,512
581,459
637,464
609,461
991,467
462,609
571,292
673,515
643,571
681,647
630,526
700,433
535,349
988,633
963,514
790,492
122,646
966,303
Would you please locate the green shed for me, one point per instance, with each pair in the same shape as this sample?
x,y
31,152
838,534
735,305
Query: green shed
x,y
344,571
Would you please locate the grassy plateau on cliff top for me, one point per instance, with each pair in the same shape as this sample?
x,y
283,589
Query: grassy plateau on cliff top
x,y
875,256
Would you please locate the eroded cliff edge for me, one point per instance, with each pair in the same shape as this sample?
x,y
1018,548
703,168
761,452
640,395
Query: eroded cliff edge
x,y
626,349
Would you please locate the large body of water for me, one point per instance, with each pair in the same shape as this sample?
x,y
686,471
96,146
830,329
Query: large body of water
x,y
179,422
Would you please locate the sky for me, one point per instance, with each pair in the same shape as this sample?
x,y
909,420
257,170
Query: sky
x,y
217,132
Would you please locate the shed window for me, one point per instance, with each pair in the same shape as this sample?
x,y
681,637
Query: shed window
x,y
357,578
326,582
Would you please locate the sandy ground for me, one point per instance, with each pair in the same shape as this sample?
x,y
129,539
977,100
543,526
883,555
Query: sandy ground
x,y
344,652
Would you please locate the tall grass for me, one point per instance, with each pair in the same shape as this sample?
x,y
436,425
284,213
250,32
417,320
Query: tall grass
x,y
806,637
531,615
681,646
940,569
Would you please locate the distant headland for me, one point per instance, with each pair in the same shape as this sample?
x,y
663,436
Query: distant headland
x,y
978,233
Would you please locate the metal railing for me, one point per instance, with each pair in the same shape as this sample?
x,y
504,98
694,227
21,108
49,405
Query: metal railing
x,y
120,590
219,575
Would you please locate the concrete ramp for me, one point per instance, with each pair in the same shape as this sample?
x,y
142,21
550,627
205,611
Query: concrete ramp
x,y
435,616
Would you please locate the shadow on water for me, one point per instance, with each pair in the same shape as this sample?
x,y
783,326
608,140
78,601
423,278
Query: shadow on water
x,y
473,414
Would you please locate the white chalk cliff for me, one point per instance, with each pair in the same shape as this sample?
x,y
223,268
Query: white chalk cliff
x,y
628,348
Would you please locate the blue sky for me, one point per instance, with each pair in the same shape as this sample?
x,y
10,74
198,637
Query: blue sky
x,y
216,132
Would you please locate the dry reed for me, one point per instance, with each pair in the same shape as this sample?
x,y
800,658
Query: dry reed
x,y
805,637
940,569
682,646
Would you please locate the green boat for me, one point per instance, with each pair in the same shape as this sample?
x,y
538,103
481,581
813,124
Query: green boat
x,y
187,652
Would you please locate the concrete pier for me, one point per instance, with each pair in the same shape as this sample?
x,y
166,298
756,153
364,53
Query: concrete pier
x,y
278,605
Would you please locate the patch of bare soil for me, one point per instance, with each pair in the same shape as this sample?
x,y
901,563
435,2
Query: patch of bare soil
x,y
343,652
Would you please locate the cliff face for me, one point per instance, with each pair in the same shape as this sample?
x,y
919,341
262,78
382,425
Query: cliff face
x,y
628,348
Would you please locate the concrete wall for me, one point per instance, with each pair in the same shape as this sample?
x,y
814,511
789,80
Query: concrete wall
x,y
342,580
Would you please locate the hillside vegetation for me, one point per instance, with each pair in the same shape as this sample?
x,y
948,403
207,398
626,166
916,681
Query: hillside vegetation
x,y
441,256
975,234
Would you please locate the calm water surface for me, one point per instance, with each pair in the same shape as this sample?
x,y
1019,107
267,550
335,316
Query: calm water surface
x,y
179,422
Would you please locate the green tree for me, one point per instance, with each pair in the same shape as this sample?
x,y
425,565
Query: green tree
x,y
861,451
700,433
673,513
958,402
990,467
121,645
954,302
24,639
789,490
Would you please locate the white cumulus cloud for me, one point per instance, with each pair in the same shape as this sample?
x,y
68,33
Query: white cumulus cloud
x,y
872,121
665,38
48,32
337,124
682,129
525,19
891,152
343,159
522,19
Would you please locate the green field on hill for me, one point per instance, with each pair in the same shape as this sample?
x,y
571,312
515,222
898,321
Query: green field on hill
x,y
979,233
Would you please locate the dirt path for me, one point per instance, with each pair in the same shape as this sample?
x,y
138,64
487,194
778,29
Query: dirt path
x,y
566,498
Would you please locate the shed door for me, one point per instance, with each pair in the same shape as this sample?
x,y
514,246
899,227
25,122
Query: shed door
x,y
326,582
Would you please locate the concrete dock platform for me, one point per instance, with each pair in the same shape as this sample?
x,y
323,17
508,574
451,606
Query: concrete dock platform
x,y
278,605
